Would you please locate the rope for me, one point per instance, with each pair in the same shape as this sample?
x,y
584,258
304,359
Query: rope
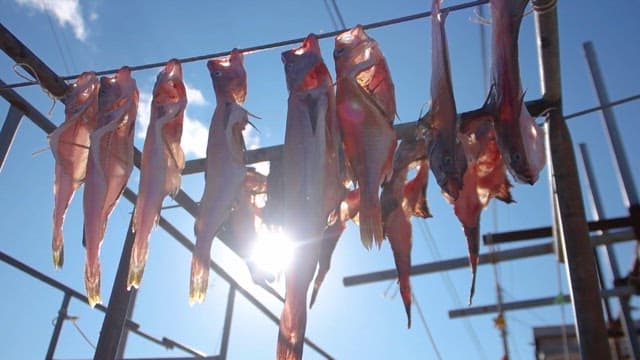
x,y
36,80
333,19
337,9
274,45
74,320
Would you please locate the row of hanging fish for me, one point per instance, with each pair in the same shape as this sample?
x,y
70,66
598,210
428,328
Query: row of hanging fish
x,y
336,134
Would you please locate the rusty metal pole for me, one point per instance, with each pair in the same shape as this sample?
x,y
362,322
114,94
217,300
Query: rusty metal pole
x,y
8,132
579,260
116,316
626,319
62,315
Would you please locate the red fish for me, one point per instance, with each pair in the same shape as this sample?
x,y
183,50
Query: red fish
x,y
445,153
70,146
162,162
366,109
399,199
225,167
311,169
519,138
484,179
109,166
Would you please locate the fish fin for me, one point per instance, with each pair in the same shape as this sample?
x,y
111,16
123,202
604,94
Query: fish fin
x,y
58,258
199,281
473,236
92,282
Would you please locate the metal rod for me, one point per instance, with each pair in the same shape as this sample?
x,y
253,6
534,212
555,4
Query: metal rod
x,y
278,44
604,106
62,315
597,211
116,316
620,161
132,326
579,261
485,259
226,328
526,304
34,66
546,231
122,346
8,132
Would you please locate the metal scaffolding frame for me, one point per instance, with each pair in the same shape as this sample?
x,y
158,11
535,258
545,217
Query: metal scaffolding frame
x,y
570,224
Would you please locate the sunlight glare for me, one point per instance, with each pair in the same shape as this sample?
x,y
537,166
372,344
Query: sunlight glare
x,y
272,251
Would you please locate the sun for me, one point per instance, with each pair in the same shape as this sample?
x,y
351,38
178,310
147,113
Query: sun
x,y
272,251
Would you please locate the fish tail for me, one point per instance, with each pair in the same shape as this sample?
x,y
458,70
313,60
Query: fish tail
x,y
399,232
473,236
316,285
370,219
58,249
293,322
139,254
199,281
92,281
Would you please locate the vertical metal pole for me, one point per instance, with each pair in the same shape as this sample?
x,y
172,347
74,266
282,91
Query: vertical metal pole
x,y
579,260
62,314
8,132
628,325
114,320
620,162
125,334
226,329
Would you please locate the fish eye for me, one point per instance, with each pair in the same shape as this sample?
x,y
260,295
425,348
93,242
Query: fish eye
x,y
447,160
516,157
217,73
338,52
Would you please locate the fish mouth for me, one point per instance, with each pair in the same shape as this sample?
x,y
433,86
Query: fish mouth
x,y
173,69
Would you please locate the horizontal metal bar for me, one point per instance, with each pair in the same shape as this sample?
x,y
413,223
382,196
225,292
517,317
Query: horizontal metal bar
x,y
542,232
602,107
526,304
486,258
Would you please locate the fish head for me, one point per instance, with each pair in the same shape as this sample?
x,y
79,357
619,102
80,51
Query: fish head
x,y
448,165
229,77
303,66
169,88
82,94
352,47
115,93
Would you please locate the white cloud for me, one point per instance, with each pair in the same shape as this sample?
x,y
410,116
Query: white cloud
x,y
194,96
194,132
65,11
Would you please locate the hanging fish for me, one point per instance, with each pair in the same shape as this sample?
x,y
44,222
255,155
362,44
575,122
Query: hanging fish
x,y
446,156
519,138
162,162
366,109
70,147
485,178
399,199
349,208
311,175
109,166
225,165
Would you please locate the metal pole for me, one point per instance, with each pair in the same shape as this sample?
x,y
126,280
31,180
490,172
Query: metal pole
x,y
62,315
579,261
620,161
597,209
125,334
116,316
226,328
8,132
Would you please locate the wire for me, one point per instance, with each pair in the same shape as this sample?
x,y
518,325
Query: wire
x,y
55,37
274,45
426,327
337,9
451,289
333,19
565,340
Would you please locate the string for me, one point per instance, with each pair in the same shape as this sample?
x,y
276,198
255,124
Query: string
x,y
31,71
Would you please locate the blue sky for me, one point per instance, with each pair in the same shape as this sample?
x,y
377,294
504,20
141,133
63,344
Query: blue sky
x,y
355,322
